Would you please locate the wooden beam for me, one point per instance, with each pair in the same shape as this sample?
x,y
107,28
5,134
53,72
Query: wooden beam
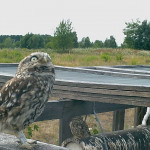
x,y
118,120
57,109
64,129
101,85
118,99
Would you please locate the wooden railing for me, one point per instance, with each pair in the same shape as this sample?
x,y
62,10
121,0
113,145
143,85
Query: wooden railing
x,y
78,98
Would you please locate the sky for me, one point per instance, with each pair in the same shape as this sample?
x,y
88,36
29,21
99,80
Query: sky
x,y
97,19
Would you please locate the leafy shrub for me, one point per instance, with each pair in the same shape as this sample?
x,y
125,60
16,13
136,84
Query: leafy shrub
x,y
105,57
30,130
119,57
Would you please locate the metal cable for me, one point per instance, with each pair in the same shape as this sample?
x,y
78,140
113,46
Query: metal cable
x,y
101,128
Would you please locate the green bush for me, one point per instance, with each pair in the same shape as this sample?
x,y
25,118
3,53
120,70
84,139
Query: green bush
x,y
119,57
105,57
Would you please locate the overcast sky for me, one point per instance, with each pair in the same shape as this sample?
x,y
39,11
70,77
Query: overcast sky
x,y
97,19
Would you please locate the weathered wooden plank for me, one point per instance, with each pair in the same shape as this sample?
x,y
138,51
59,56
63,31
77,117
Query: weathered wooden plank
x,y
56,109
103,91
129,100
10,142
133,139
101,86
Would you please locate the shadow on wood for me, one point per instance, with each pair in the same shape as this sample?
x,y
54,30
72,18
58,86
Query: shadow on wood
x,y
9,142
133,139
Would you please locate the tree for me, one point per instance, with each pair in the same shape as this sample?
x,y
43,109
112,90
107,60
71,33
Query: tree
x,y
137,35
98,44
63,37
32,41
8,43
85,42
75,40
110,43
25,40
47,40
35,41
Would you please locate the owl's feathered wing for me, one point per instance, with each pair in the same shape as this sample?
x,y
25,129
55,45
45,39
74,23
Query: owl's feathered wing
x,y
20,101
12,92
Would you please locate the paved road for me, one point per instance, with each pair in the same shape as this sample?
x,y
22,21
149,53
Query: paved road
x,y
87,77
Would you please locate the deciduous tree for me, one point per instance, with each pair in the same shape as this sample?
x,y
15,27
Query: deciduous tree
x,y
110,43
63,37
137,35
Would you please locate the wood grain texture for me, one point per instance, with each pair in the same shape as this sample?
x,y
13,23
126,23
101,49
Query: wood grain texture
x,y
108,93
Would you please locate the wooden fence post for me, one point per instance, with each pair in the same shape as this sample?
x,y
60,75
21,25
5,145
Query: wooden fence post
x,y
64,129
118,120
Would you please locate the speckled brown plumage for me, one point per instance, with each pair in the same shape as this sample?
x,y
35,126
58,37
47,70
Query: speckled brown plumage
x,y
22,99
79,128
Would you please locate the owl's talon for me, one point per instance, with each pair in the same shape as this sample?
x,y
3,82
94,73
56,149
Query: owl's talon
x,y
140,126
27,146
30,141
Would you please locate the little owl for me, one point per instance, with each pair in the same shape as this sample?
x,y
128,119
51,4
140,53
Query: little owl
x,y
22,99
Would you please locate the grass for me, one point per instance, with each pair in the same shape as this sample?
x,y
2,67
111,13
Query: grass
x,y
83,57
49,130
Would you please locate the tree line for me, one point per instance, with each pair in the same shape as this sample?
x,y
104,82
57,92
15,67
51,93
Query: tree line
x,y
37,41
137,36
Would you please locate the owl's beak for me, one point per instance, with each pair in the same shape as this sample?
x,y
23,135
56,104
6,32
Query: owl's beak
x,y
45,60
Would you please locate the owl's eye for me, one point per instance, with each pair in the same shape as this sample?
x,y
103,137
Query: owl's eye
x,y
34,59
